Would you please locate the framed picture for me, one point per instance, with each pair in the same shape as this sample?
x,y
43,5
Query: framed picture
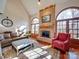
x,y
46,18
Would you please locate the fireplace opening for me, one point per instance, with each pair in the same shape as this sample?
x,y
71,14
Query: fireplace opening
x,y
46,34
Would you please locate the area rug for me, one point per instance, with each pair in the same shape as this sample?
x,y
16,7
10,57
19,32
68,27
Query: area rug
x,y
10,53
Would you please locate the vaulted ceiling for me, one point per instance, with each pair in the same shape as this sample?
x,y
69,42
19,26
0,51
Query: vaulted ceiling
x,y
32,6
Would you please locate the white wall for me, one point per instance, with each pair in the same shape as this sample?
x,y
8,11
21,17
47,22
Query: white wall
x,y
15,11
60,6
2,5
69,3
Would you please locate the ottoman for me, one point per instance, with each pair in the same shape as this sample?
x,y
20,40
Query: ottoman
x,y
21,45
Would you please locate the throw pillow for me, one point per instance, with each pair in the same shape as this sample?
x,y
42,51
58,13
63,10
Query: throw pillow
x,y
1,36
7,35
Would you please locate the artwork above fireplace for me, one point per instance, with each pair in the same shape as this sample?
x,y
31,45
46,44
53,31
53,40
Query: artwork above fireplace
x,y
45,34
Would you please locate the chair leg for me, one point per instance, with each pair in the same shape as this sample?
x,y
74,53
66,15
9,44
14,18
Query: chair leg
x,y
17,52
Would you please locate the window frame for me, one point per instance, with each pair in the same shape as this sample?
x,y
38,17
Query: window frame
x,y
73,7
34,25
67,21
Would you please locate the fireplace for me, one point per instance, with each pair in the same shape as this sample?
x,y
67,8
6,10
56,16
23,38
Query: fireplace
x,y
45,34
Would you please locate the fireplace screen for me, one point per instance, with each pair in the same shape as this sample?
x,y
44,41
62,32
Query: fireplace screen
x,y
46,34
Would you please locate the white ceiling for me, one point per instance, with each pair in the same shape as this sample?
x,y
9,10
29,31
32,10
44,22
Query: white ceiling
x,y
32,7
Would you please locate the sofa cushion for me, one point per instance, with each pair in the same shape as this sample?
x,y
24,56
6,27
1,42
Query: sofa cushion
x,y
13,34
1,36
7,35
63,36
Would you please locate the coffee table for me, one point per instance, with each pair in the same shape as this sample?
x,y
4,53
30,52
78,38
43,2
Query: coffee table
x,y
37,53
21,45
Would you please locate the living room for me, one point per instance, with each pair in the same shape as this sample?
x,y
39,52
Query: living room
x,y
39,29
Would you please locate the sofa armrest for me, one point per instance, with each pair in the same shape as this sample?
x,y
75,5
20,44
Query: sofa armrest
x,y
67,42
54,39
1,56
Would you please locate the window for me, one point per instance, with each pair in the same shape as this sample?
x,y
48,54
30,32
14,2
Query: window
x,y
68,21
35,26
21,30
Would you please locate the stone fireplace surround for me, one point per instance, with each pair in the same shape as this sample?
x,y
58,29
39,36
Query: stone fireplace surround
x,y
45,34
47,26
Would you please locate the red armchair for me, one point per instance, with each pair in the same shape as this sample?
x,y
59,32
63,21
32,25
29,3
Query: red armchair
x,y
62,41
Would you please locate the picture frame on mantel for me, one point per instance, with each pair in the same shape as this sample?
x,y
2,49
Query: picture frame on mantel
x,y
46,18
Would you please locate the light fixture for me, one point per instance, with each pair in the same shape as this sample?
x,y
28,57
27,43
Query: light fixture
x,y
38,2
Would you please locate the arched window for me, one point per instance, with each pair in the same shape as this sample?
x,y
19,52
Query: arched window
x,y
35,26
68,21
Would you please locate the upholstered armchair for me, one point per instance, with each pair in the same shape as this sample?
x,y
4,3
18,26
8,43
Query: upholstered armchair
x,y
61,41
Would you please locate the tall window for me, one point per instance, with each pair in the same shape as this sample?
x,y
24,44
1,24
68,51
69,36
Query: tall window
x,y
35,26
21,30
68,21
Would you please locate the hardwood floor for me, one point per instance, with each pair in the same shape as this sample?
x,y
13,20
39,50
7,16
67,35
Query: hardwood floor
x,y
73,52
